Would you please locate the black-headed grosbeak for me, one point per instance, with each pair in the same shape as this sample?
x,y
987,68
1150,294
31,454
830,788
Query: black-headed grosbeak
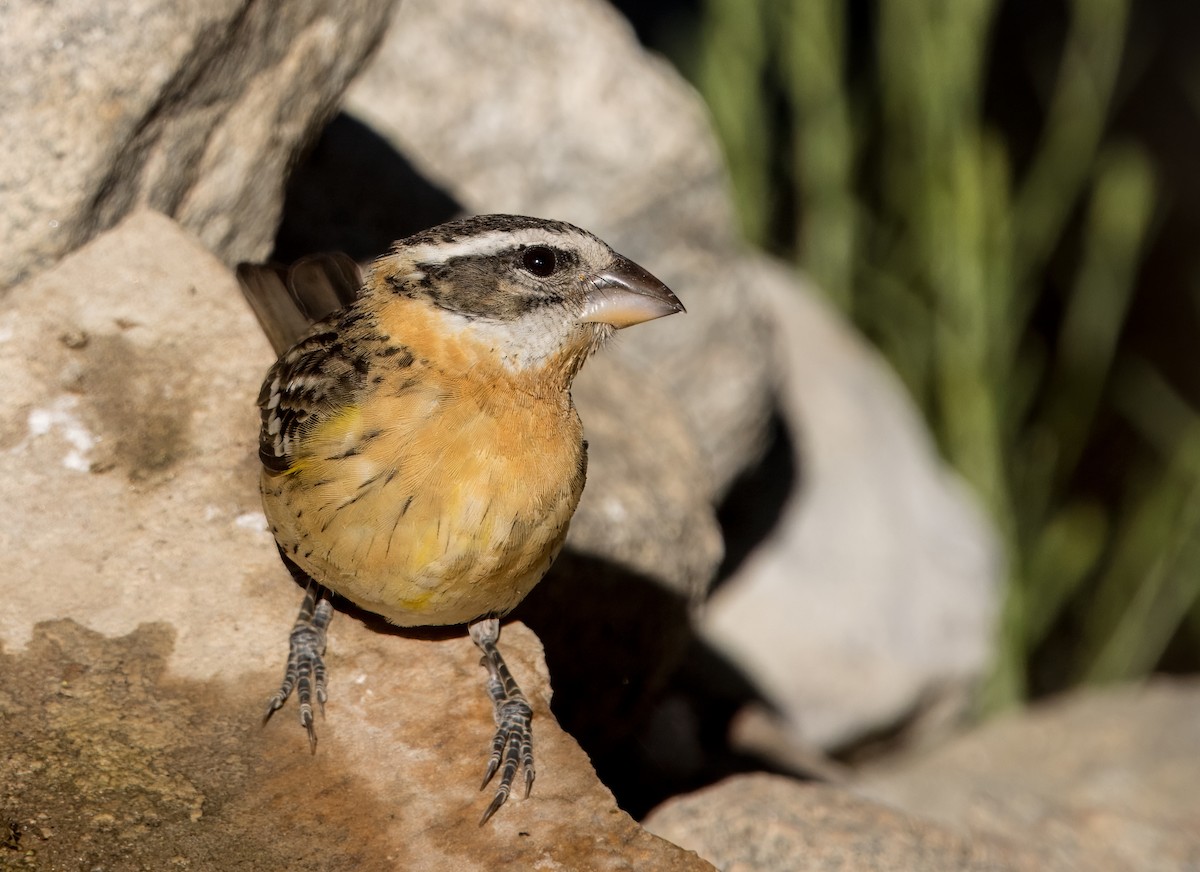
x,y
421,455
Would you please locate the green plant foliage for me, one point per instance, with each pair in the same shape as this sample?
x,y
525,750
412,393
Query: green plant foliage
x,y
916,218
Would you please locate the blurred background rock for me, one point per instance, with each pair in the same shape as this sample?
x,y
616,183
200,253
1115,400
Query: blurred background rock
x,y
1004,197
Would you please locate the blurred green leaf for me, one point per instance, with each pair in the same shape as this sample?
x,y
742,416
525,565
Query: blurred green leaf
x,y
731,73
812,56
915,219
1066,551
1153,578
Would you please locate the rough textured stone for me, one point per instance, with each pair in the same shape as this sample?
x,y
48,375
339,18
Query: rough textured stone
x,y
128,507
113,762
195,109
876,593
1108,773
1100,780
765,823
552,108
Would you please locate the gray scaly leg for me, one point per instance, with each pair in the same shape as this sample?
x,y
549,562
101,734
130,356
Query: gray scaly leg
x,y
305,670
512,746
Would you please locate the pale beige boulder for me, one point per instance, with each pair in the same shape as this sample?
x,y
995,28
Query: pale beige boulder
x,y
197,110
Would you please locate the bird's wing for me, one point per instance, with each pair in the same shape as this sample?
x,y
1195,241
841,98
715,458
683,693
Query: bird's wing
x,y
288,300
315,380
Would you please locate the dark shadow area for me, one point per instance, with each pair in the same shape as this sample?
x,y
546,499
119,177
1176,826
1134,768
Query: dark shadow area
x,y
669,26
613,638
354,192
649,701
756,500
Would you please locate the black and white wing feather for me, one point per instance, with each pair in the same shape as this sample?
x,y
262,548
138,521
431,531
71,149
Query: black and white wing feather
x,y
312,380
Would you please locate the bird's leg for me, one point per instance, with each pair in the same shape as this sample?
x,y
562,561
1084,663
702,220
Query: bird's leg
x,y
512,746
305,670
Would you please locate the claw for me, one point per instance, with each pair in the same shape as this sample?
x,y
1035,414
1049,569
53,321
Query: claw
x,y
273,705
493,806
492,766
312,733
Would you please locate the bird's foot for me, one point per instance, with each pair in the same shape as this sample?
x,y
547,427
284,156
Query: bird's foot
x,y
512,746
305,672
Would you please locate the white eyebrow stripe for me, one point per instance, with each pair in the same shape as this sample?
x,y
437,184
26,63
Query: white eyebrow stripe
x,y
490,243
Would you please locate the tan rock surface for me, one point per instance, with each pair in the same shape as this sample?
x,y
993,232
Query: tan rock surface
x,y
113,762
766,823
1108,772
1102,779
129,520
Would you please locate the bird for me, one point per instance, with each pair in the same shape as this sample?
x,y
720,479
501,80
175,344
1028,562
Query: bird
x,y
421,455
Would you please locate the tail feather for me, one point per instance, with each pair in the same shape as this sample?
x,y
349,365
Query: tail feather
x,y
288,299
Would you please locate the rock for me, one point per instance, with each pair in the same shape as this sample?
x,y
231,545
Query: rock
x,y
146,615
766,823
552,108
1100,780
197,110
114,762
876,592
1107,774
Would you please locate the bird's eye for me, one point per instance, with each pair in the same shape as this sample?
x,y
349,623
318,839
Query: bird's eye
x,y
540,261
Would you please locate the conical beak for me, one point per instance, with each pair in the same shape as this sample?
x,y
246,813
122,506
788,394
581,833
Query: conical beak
x,y
625,294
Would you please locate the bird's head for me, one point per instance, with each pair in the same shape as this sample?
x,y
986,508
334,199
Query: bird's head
x,y
533,292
